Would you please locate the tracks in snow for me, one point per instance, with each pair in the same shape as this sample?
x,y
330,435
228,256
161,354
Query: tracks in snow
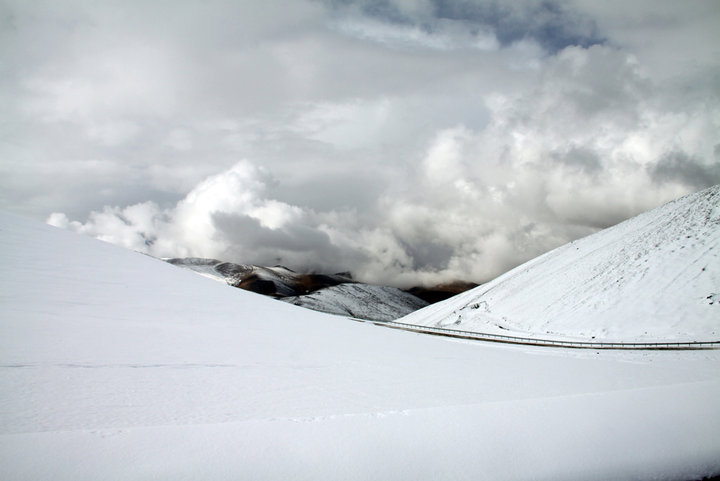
x,y
528,341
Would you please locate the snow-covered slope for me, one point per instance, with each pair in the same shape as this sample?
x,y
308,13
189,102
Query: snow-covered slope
x,y
380,303
655,277
117,366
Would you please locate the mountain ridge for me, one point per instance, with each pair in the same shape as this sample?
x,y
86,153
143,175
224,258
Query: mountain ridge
x,y
337,293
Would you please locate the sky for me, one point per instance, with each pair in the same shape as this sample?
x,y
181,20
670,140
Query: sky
x,y
406,141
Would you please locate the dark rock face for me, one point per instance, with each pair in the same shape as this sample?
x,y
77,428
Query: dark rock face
x,y
255,284
441,292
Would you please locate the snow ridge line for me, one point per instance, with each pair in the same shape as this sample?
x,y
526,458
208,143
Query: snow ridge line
x,y
479,336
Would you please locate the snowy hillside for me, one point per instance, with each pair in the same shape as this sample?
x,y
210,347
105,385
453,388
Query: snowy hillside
x,y
334,294
653,277
381,303
117,366
278,281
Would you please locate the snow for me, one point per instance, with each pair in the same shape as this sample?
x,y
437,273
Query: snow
x,y
655,277
115,366
282,278
364,301
204,267
354,299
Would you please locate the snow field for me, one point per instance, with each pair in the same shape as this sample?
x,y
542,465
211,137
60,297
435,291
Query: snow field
x,y
114,365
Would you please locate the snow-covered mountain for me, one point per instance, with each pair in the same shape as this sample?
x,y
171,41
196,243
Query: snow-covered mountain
x,y
364,301
334,294
278,281
116,366
653,277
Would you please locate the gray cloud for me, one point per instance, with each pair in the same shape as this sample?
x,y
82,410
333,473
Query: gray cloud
x,y
405,140
550,23
680,167
553,25
584,160
300,245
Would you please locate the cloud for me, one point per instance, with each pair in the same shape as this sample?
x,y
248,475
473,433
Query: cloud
x,y
405,140
227,216
680,167
444,36
487,25
549,23
134,227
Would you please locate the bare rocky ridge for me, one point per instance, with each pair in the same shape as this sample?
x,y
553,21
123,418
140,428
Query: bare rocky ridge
x,y
331,293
